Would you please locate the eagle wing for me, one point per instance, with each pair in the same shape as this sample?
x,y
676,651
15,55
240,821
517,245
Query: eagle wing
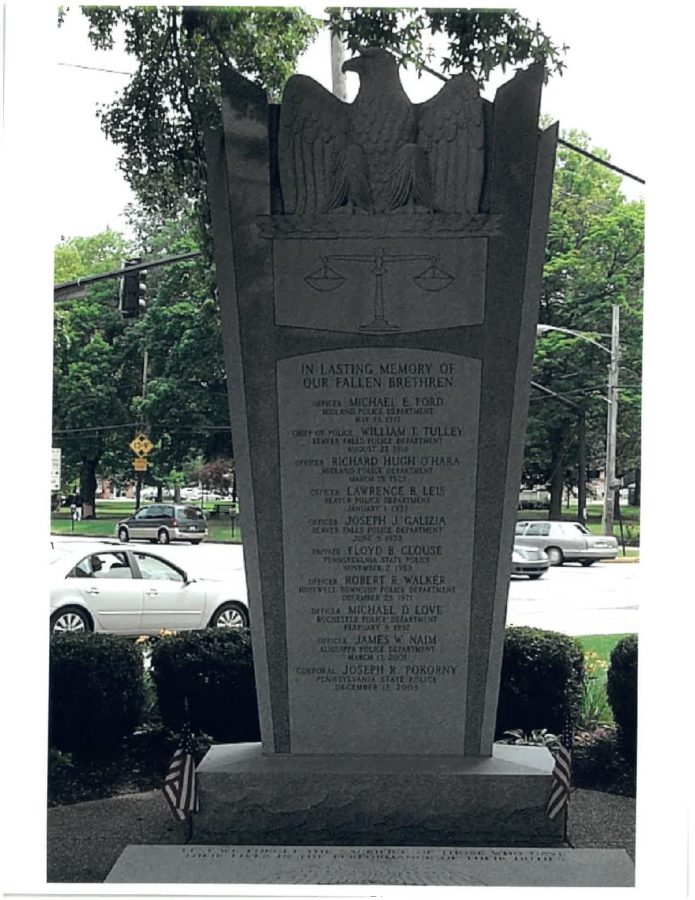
x,y
314,132
451,131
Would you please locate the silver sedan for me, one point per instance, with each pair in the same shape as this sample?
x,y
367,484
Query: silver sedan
x,y
108,588
565,542
529,561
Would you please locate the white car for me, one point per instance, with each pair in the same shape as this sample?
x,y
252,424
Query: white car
x,y
118,590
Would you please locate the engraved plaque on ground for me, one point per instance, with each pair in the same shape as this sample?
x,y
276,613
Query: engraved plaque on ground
x,y
378,472
455,866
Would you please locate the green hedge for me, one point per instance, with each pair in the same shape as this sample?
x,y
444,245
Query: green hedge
x,y
97,694
96,691
213,670
542,681
621,687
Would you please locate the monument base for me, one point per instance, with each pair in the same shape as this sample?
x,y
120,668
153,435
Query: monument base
x,y
249,798
499,867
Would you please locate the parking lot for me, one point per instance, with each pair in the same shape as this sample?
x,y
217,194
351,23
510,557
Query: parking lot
x,y
602,599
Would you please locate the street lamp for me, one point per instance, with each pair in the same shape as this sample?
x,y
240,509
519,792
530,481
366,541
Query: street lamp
x,y
612,417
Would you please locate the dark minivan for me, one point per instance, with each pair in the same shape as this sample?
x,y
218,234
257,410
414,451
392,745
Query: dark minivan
x,y
164,522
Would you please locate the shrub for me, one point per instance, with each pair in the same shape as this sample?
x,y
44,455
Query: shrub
x,y
597,763
542,681
213,670
622,692
96,691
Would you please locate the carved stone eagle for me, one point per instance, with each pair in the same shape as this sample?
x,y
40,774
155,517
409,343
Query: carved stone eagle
x,y
381,152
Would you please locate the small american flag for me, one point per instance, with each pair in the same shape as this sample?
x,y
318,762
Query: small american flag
x,y
180,783
560,789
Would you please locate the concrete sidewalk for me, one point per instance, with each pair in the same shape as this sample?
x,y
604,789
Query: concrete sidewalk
x,y
86,839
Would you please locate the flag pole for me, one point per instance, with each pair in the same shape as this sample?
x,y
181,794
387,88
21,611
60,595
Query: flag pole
x,y
568,737
180,790
189,815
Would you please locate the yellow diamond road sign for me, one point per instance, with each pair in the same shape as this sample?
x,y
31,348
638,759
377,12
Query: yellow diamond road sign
x,y
141,445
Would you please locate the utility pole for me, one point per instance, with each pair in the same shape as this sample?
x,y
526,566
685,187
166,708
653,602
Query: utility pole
x,y
581,465
612,425
140,476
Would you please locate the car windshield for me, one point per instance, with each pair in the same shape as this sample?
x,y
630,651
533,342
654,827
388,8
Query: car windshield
x,y
191,512
580,528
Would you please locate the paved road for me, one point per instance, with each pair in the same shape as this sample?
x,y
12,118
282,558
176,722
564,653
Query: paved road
x,y
601,599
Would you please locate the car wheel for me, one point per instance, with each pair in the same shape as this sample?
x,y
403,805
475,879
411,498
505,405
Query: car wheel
x,y
535,577
587,562
163,536
230,615
555,556
70,619
195,543
123,535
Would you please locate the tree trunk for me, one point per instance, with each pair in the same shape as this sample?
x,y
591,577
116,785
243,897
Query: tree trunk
x,y
88,487
637,500
177,493
160,493
556,478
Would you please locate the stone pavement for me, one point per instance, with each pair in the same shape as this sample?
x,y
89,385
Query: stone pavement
x,y
86,839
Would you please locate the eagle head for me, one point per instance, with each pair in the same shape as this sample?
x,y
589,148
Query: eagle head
x,y
372,61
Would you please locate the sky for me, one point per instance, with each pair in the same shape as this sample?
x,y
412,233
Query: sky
x,y
603,100
627,84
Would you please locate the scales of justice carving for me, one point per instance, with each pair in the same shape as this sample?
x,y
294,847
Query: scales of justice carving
x,y
326,278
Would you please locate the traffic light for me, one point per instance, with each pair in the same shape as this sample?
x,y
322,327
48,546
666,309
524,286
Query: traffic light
x,y
132,290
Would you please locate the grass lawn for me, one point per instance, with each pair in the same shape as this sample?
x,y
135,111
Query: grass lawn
x,y
601,644
597,653
630,516
112,512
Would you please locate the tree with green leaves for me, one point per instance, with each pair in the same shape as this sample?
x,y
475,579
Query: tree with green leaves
x,y
594,259
95,366
185,407
159,119
162,373
594,249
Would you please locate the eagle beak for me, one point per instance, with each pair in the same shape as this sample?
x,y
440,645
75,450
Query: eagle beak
x,y
351,65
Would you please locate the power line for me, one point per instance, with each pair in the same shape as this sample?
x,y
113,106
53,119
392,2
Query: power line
x,y
179,430
94,69
565,143
598,159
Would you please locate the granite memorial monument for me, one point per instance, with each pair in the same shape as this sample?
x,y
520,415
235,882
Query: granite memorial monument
x,y
379,270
